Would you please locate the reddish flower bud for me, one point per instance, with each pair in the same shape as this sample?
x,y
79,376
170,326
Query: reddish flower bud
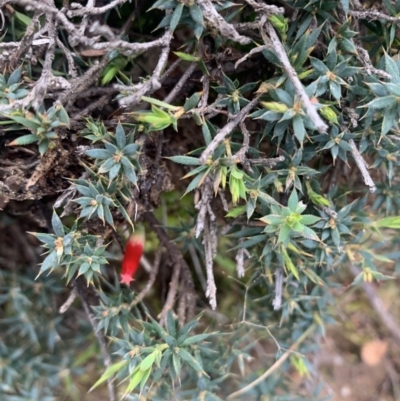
x,y
133,253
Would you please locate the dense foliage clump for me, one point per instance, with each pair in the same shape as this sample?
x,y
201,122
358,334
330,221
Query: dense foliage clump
x,y
255,145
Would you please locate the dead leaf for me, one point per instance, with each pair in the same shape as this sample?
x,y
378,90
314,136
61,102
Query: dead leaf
x,y
46,162
92,53
373,352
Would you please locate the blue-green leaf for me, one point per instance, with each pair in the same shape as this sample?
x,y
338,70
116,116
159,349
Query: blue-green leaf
x,y
293,201
57,225
187,160
98,153
298,128
284,233
382,102
176,16
14,77
120,136
308,219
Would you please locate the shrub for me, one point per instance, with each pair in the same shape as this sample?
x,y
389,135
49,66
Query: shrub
x,y
255,145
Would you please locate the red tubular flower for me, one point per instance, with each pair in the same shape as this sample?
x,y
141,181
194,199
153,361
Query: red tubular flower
x,y
133,253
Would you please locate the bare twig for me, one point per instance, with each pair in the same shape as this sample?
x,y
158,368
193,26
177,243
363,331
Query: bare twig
x,y
277,301
270,162
394,378
82,83
224,202
216,20
206,223
172,67
127,48
67,304
14,45
281,53
275,366
352,115
144,262
3,20
227,130
206,92
69,55
85,19
152,279
240,261
78,11
153,83
45,164
202,206
364,59
211,292
44,8
265,9
241,154
373,15
362,166
75,35
173,290
38,93
250,53
98,104
186,75
26,41
176,258
103,31
246,26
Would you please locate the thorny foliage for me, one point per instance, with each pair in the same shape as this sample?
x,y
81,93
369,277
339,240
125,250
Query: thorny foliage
x,y
292,157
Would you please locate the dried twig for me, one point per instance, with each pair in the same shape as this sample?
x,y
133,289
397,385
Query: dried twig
x,y
78,11
98,104
224,202
216,20
185,76
227,130
153,83
152,279
241,154
281,53
67,304
240,261
265,9
208,239
250,53
45,164
202,206
206,92
363,58
69,56
373,15
206,223
26,41
270,162
277,301
362,166
38,93
176,258
275,366
172,291
82,83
